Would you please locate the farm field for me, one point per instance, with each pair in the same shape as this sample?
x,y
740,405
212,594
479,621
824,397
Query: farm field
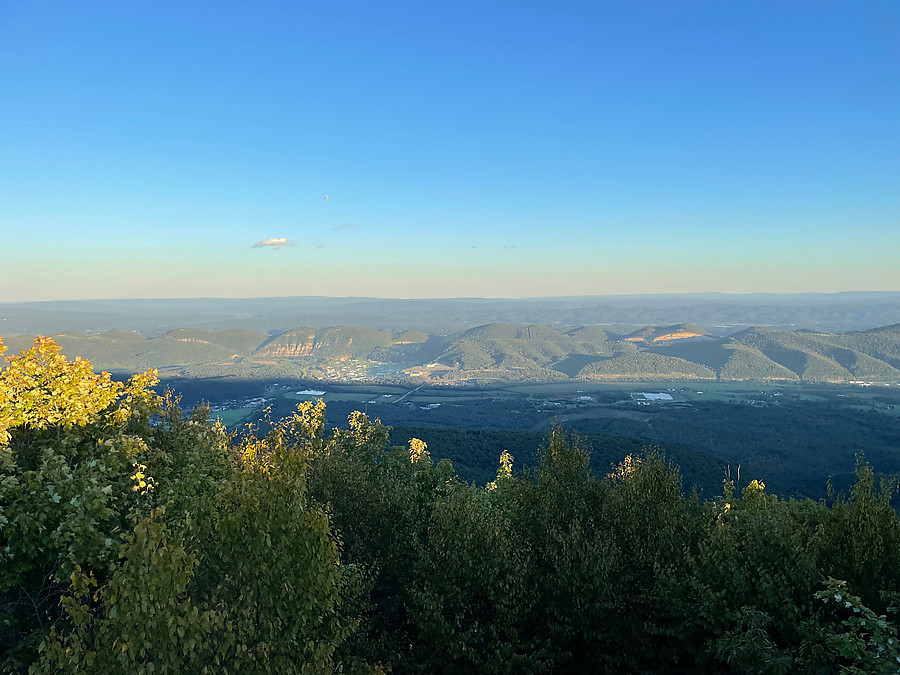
x,y
793,436
552,398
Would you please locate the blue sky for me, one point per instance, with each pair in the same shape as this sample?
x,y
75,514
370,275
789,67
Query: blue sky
x,y
520,148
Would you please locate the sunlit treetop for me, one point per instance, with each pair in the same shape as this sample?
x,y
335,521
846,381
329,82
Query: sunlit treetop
x,y
40,388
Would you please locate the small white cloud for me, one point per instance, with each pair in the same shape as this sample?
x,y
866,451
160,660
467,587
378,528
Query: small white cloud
x,y
345,226
277,242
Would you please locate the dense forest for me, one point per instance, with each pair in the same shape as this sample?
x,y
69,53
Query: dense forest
x,y
136,538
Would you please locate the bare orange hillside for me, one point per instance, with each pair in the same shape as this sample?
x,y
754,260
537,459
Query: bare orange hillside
x,y
676,336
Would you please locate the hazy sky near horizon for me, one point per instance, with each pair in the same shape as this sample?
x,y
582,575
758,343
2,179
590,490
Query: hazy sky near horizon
x,y
493,148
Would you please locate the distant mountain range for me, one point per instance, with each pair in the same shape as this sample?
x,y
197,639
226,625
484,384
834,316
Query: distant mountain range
x,y
719,313
500,351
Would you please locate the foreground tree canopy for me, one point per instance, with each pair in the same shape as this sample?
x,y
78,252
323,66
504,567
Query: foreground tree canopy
x,y
135,539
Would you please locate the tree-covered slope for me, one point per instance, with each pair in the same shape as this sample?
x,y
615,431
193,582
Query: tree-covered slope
x,y
811,357
242,342
119,350
590,334
410,352
491,331
710,352
862,366
880,343
749,363
646,365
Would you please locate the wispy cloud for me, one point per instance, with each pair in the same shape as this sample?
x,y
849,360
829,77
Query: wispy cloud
x,y
277,242
345,226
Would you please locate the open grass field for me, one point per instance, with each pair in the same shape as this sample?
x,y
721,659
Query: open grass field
x,y
236,417
554,399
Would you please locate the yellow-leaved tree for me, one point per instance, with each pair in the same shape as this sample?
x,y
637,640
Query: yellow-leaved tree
x,y
136,538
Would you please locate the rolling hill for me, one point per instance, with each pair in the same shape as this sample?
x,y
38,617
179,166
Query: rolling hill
x,y
667,334
646,366
500,351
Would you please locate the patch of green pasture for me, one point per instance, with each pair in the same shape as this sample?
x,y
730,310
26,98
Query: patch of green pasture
x,y
562,388
364,390
443,399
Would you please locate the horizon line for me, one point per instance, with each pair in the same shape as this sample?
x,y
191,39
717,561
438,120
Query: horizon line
x,y
465,298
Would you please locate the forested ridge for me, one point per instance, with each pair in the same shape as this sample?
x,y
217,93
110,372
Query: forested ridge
x,y
135,538
499,352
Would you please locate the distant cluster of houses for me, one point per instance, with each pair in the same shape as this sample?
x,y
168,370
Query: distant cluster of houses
x,y
253,402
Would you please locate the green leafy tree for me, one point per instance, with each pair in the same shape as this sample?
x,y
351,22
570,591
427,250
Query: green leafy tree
x,y
854,639
139,539
556,512
142,620
380,500
69,446
858,540
469,592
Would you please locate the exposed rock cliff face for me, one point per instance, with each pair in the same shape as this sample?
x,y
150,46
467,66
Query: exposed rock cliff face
x,y
680,335
298,344
337,342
